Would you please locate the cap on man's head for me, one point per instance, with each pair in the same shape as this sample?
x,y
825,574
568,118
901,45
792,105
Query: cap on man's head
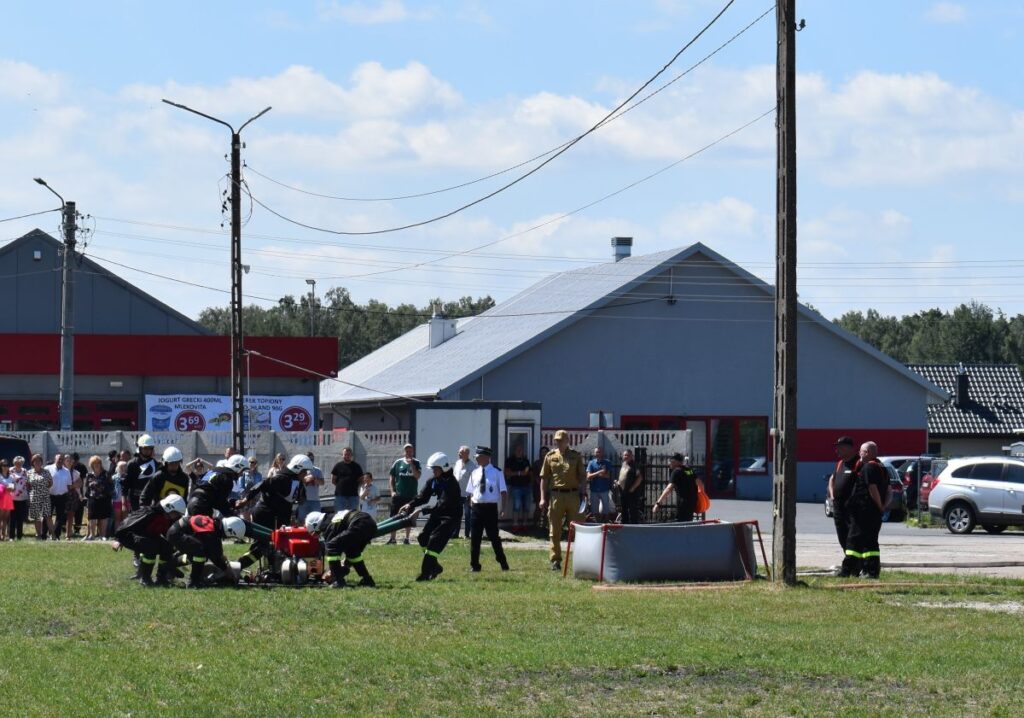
x,y
483,451
844,441
678,457
407,446
561,434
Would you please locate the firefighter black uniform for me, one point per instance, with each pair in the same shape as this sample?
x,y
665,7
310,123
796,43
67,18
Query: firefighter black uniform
x,y
144,532
213,493
274,498
199,538
843,479
864,518
444,519
348,533
140,471
164,483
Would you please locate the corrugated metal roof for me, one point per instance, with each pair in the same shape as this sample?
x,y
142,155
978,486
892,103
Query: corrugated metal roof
x,y
995,405
406,367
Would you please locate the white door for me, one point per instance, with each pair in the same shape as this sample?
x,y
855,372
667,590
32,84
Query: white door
x,y
986,486
1013,493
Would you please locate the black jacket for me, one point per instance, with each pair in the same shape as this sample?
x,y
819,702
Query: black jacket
x,y
163,484
138,474
214,494
357,522
449,496
277,493
148,521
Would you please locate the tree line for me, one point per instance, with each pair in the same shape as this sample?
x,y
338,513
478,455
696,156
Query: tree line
x,y
971,333
359,328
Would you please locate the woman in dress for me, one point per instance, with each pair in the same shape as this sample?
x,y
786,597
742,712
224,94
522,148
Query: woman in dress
x,y
6,498
40,481
117,497
99,491
20,495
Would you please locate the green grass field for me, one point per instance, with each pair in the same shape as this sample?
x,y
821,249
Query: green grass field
x,y
78,638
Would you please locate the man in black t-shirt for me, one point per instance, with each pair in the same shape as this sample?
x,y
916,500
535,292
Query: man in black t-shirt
x,y
518,480
346,476
683,480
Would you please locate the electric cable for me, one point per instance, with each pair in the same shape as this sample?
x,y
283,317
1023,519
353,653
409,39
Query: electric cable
x,y
517,180
533,159
32,214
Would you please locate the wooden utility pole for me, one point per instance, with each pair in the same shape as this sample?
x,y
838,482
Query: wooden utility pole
x,y
784,432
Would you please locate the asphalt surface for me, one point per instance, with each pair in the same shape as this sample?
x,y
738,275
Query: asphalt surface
x,y
818,548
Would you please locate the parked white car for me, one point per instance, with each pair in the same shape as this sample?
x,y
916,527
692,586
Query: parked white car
x,y
986,490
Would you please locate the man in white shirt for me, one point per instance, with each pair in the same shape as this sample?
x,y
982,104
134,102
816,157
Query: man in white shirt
x,y
62,479
462,470
487,490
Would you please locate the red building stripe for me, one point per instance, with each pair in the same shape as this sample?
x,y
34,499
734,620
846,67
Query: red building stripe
x,y
164,355
819,444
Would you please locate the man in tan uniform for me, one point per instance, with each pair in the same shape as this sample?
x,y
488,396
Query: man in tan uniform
x,y
563,479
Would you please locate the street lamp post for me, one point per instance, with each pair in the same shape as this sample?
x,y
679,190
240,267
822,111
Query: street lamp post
x,y
237,347
66,390
312,303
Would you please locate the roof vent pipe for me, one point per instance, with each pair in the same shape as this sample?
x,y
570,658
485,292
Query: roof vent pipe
x,y
963,384
622,247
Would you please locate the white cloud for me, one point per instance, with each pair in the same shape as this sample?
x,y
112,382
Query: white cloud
x,y
373,91
946,12
22,82
370,13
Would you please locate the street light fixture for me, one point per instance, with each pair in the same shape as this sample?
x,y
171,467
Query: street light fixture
x,y
66,387
237,348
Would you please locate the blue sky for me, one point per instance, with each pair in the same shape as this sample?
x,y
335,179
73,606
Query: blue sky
x,y
911,141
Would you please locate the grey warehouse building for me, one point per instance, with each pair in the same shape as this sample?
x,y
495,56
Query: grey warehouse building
x,y
679,339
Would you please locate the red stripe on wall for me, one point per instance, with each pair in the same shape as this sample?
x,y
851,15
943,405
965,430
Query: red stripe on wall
x,y
164,355
819,444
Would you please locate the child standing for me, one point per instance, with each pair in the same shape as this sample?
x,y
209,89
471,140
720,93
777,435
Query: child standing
x,y
368,496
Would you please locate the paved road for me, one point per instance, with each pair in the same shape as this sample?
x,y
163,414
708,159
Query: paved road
x,y
816,545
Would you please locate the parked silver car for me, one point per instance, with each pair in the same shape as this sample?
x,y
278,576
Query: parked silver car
x,y
986,490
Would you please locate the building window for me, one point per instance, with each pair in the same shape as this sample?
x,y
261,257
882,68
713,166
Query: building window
x,y
753,435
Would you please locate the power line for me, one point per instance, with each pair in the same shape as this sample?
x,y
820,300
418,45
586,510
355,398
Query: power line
x,y
32,214
517,180
531,160
582,208
251,352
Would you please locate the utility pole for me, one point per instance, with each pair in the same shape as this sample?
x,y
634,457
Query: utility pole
x,y
66,390
237,344
784,432
312,303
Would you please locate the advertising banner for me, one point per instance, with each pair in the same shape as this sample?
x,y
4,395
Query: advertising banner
x,y
212,412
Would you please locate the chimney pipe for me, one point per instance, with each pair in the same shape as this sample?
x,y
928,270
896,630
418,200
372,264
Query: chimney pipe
x,y
963,384
622,247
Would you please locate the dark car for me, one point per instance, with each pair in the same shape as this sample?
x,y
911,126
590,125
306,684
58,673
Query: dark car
x,y
11,446
896,508
917,479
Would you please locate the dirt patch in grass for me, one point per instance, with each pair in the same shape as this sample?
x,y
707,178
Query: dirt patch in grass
x,y
682,690
1004,607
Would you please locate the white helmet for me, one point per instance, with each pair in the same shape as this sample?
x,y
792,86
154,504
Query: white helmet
x,y
172,453
234,527
236,462
172,503
145,440
315,521
300,462
221,463
438,459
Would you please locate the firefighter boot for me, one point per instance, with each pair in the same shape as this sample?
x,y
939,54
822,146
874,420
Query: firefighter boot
x,y
429,568
337,575
365,579
146,571
163,574
197,578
